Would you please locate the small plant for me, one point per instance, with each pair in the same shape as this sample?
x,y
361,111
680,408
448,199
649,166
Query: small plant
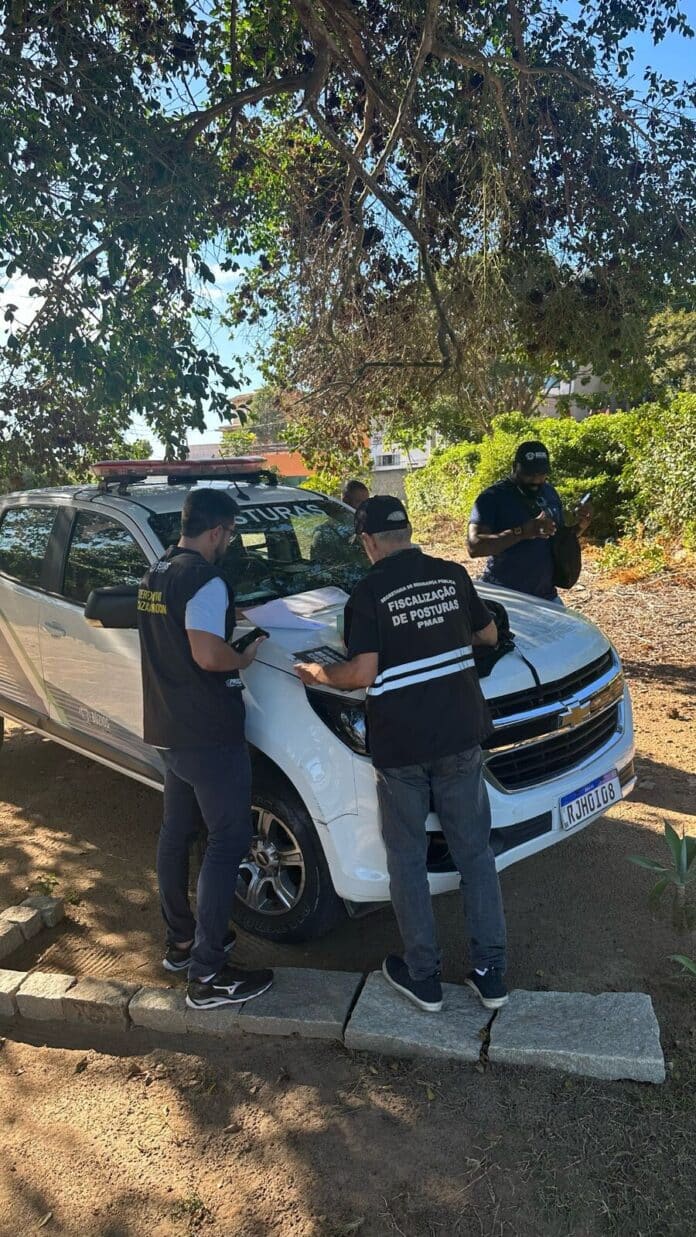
x,y
46,884
678,875
688,964
193,1209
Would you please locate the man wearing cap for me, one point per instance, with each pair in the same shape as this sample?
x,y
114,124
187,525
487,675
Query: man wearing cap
x,y
193,711
513,521
409,625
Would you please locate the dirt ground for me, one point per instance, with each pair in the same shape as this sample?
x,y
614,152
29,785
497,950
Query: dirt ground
x,y
284,1137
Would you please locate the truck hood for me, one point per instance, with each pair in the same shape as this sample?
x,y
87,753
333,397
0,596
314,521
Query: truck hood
x,y
555,642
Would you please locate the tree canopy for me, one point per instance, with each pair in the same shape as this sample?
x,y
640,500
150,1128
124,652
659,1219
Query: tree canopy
x,y
389,186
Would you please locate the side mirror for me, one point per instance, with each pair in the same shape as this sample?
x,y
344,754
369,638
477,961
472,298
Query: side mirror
x,y
115,606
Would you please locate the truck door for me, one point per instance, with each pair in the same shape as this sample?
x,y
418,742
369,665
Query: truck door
x,y
25,533
92,674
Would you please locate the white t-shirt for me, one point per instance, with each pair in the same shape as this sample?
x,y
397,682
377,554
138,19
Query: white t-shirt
x,y
207,609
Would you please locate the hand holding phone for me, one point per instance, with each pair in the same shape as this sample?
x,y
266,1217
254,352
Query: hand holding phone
x,y
249,637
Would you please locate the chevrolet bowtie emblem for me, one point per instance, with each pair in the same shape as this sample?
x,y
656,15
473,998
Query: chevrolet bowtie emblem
x,y
574,715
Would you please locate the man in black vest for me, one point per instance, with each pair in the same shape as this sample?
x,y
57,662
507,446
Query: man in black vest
x,y
194,713
409,627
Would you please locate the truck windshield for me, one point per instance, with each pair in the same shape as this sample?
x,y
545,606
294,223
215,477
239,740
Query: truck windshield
x,y
283,548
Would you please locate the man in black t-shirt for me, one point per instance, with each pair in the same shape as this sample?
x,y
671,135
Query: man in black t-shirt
x,y
409,626
194,714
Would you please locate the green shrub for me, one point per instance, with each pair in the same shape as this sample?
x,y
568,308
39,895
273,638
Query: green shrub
x,y
633,556
640,466
441,487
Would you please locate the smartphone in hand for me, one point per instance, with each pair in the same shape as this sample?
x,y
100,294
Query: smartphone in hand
x,y
248,638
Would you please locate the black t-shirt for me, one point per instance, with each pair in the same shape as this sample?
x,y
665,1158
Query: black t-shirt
x,y
526,566
418,614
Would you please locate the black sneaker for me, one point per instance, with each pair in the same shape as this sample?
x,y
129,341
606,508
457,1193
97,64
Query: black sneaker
x,y
231,986
489,987
425,993
180,959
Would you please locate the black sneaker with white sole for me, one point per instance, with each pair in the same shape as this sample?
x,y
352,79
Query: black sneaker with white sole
x,y
177,959
489,987
231,986
425,993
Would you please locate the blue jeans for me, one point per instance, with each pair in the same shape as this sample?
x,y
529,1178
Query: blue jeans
x,y
461,801
213,783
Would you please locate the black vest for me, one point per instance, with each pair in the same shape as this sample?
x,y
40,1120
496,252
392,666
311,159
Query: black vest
x,y
183,705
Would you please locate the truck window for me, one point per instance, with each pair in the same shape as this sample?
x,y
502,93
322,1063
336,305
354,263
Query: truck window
x,y
102,552
24,535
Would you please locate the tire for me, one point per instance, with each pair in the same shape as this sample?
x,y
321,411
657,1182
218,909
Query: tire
x,y
2,730
280,821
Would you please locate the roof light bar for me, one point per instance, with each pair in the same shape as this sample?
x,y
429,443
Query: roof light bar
x,y
122,469
180,472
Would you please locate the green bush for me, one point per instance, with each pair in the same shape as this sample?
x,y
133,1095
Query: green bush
x,y
440,488
640,466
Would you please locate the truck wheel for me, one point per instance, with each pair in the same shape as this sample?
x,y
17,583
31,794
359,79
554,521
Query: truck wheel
x,y
284,890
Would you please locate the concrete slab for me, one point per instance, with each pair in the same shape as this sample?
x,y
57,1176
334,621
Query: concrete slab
x,y
312,1004
160,1009
384,1021
216,1022
613,1035
99,1002
27,919
10,981
10,938
41,995
51,909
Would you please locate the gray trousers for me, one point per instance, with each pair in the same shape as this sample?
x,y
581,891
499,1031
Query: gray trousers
x,y
461,802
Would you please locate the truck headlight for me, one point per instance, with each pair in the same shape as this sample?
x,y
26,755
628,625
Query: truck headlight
x,y
343,715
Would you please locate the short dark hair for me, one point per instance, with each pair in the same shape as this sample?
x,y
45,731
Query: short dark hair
x,y
205,508
352,487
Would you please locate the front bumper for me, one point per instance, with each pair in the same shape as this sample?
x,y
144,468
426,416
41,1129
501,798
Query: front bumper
x,y
523,822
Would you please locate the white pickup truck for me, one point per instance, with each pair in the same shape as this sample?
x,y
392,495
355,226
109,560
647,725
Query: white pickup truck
x,y
561,752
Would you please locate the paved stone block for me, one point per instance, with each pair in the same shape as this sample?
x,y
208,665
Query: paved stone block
x,y
613,1035
28,920
52,909
312,1004
160,1009
99,1002
41,995
9,983
216,1022
10,938
384,1021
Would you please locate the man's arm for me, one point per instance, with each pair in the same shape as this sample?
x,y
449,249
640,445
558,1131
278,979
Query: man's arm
x,y
486,635
481,541
211,652
360,671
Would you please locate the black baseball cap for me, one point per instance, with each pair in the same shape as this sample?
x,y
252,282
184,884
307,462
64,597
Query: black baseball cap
x,y
532,457
381,514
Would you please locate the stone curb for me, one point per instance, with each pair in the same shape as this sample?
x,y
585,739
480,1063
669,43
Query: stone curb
x,y
20,923
383,1021
611,1036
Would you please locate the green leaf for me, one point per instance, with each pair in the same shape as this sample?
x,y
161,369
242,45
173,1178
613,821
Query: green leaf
x,y
657,891
689,964
690,844
651,864
675,844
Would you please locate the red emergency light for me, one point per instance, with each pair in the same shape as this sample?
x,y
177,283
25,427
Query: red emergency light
x,y
180,472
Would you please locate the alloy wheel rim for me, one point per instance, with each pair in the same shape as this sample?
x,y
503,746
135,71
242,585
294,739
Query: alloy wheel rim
x,y
272,877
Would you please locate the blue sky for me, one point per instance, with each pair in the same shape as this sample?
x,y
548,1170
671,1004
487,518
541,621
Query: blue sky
x,y
675,57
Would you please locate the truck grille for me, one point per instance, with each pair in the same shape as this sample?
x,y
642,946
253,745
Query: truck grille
x,y
538,762
549,693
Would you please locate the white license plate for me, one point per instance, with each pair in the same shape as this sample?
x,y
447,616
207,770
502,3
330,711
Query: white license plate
x,y
595,797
